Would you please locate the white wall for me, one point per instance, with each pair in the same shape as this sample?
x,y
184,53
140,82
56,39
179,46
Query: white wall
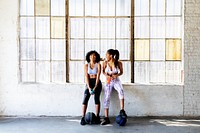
x,y
192,58
17,99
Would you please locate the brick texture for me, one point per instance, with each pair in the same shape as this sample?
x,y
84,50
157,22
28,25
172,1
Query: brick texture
x,y
192,58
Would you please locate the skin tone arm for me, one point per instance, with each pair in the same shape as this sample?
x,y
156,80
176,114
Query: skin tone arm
x,y
121,70
104,67
86,76
98,75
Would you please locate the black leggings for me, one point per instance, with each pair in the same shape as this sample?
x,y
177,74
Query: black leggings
x,y
97,93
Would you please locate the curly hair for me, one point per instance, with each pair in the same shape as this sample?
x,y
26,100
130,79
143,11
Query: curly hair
x,y
93,52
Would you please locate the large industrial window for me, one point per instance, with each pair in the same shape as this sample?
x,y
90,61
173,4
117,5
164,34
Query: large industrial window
x,y
158,41
43,40
98,25
55,36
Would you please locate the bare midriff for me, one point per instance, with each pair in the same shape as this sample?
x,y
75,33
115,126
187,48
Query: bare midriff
x,y
92,76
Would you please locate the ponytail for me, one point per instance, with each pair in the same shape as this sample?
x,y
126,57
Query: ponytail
x,y
115,55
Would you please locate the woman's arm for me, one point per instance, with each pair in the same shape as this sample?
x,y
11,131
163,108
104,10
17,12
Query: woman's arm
x,y
120,69
104,67
86,75
98,74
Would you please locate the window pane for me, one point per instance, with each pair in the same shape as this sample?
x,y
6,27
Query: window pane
x,y
126,76
157,7
77,28
42,7
157,72
141,50
141,72
76,71
27,7
76,7
124,49
173,27
173,49
123,28
77,49
42,27
157,49
58,27
58,71
43,71
58,49
123,7
42,49
58,7
108,28
91,45
27,49
91,28
107,7
174,7
91,7
105,45
173,72
157,27
28,71
27,29
141,27
141,8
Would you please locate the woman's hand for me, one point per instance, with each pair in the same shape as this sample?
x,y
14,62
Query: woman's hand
x,y
89,88
94,88
92,91
114,76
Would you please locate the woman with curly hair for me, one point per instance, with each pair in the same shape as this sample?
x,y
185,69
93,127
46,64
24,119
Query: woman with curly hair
x,y
93,84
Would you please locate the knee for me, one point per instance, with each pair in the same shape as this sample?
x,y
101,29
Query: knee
x,y
121,94
97,99
85,99
106,102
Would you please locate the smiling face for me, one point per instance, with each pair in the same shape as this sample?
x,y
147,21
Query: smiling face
x,y
93,57
108,56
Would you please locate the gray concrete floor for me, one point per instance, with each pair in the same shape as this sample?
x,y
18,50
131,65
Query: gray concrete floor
x,y
71,125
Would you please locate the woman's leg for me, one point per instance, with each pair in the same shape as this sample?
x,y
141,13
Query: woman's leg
x,y
106,112
107,90
122,103
85,101
118,86
97,98
84,108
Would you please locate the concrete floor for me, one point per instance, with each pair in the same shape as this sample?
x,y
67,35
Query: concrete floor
x,y
71,125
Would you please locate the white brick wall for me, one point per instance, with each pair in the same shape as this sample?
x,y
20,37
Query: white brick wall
x,y
192,58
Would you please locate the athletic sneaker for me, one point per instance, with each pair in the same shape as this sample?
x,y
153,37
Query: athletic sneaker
x,y
83,122
105,121
97,121
123,113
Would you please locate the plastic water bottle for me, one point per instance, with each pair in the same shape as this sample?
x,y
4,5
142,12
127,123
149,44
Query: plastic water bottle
x,y
108,80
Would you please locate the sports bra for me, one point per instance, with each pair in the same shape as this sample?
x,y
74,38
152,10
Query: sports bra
x,y
94,70
108,70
